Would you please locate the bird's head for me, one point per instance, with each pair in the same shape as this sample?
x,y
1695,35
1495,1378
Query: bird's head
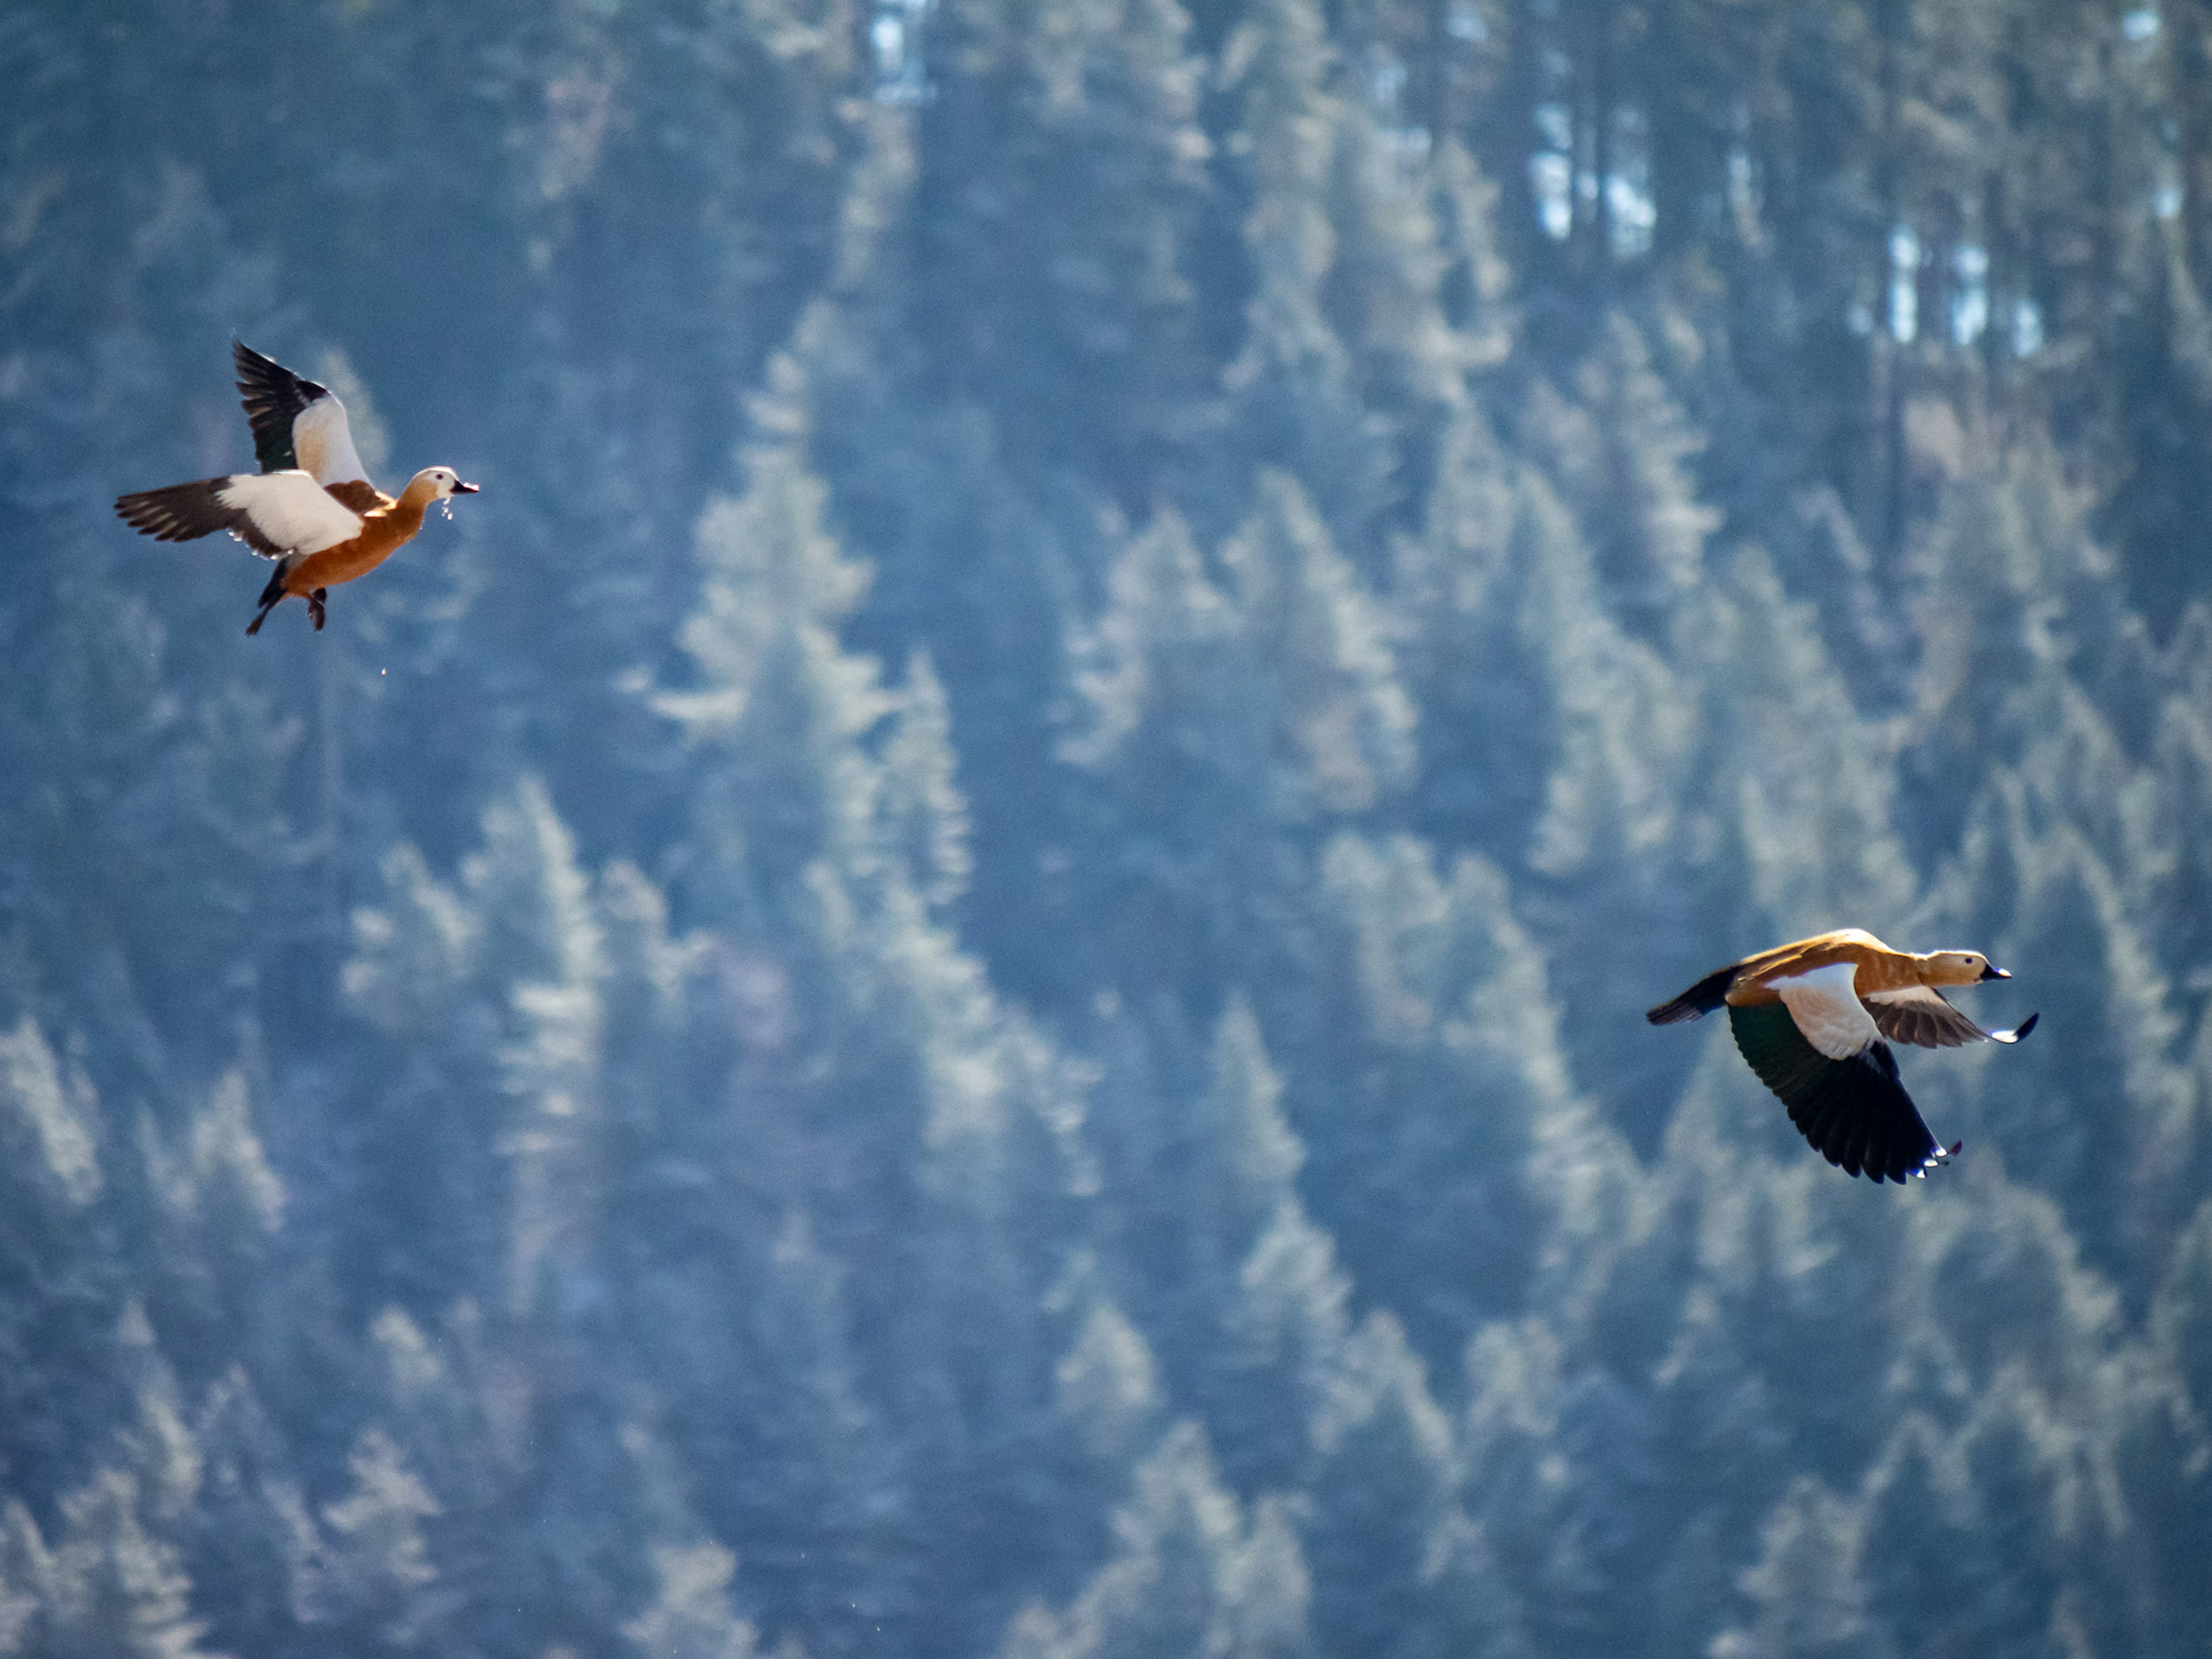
x,y
440,484
443,481
1959,968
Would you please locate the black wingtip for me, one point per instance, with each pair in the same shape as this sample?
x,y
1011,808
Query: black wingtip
x,y
2025,1027
273,395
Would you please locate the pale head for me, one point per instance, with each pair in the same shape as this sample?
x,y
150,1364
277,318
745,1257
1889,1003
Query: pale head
x,y
437,484
1958,968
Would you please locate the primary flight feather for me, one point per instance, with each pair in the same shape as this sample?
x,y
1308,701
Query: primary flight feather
x,y
1811,1018
311,507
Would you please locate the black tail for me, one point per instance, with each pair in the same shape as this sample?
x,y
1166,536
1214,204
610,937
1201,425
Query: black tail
x,y
1701,998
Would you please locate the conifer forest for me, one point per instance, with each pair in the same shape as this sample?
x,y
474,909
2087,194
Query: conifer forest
x,y
961,976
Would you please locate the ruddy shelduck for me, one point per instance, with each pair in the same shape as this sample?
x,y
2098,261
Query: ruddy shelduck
x,y
1811,1016
311,508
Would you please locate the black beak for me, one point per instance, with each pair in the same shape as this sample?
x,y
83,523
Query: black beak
x,y
460,488
1990,973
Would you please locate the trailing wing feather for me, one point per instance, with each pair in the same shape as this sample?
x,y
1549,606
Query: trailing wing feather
x,y
1854,1112
1923,1017
181,513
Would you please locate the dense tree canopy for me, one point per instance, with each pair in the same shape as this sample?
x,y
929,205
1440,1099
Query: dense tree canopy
x,y
961,975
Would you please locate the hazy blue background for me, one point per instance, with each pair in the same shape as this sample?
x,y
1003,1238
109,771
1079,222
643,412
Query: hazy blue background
x,y
962,974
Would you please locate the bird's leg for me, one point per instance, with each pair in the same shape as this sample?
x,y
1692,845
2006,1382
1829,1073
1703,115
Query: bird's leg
x,y
315,607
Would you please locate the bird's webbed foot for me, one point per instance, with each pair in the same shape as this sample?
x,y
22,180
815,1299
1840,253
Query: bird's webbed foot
x,y
315,607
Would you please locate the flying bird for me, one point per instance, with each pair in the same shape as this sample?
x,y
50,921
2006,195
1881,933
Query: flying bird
x,y
1811,1018
311,508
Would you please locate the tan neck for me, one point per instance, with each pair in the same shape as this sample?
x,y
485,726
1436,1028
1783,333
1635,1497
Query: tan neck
x,y
418,494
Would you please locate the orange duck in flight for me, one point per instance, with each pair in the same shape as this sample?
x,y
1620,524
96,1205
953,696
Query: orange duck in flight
x,y
1811,1016
311,508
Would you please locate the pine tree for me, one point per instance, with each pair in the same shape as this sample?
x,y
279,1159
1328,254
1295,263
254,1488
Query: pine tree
x,y
1587,1588
219,1207
1190,1575
1059,174
419,971
1454,1012
2181,773
1398,1567
2029,1497
974,561
1805,1591
1258,711
1342,724
1235,1206
1610,732
1191,1217
926,816
1783,746
1292,382
1448,596
250,1539
370,1577
690,1617
2011,591
802,1474
1719,1447
2163,1450
1288,1332
110,1585
1822,559
1170,715
1622,457
67,1282
541,937
1384,294
1107,1384
779,705
1928,1570
2003,1285
643,1000
2120,1033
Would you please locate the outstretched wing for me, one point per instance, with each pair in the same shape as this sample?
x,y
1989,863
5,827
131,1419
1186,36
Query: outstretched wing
x,y
1854,1111
296,423
274,513
1923,1017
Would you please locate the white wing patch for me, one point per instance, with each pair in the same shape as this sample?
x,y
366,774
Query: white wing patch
x,y
1823,1004
322,439
291,510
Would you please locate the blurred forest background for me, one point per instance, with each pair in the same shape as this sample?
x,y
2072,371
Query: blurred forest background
x,y
962,974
